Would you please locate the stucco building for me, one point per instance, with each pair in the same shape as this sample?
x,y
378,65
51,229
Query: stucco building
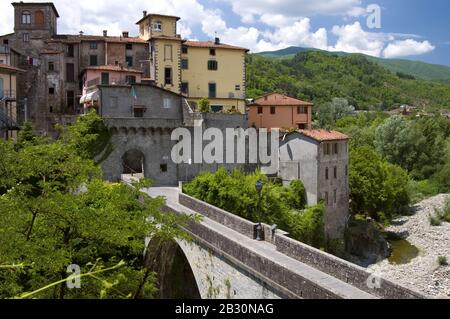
x,y
320,159
275,110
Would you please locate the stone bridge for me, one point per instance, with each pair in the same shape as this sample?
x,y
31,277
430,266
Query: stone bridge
x,y
224,261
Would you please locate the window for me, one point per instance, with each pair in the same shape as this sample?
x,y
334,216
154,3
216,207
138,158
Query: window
x,y
301,126
185,87
302,110
129,61
157,26
93,60
70,99
326,174
335,148
131,79
139,112
70,51
326,198
70,72
105,78
212,52
213,65
26,37
129,46
51,91
237,87
346,170
212,90
163,168
168,52
168,76
335,196
326,149
167,103
93,45
51,66
51,109
184,49
5,41
216,108
184,64
260,110
273,110
26,17
335,172
39,17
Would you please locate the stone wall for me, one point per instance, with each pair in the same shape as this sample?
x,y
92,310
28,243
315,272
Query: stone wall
x,y
332,265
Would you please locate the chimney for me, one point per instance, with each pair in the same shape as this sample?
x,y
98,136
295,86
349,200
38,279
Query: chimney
x,y
217,41
81,33
125,34
144,13
105,33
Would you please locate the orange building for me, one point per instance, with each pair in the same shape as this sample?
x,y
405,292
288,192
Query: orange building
x,y
275,110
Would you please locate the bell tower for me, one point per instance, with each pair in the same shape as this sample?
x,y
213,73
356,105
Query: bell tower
x,y
35,19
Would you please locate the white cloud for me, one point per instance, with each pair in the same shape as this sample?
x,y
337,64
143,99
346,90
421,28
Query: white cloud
x,y
407,47
353,39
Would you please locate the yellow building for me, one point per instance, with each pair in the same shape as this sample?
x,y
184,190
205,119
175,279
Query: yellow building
x,y
8,101
195,69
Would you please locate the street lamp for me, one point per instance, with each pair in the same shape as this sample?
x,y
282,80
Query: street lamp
x,y
259,186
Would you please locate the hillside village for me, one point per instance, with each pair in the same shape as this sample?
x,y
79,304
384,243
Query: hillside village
x,y
360,166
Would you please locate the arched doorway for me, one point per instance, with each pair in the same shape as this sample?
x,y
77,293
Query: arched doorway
x,y
174,273
133,162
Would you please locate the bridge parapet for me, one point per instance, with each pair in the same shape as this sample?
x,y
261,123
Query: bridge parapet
x,y
341,269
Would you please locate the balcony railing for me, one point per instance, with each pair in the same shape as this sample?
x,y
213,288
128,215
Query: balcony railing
x,y
6,121
211,95
4,49
8,95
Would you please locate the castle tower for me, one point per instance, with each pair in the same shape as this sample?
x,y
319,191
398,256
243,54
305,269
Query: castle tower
x,y
165,49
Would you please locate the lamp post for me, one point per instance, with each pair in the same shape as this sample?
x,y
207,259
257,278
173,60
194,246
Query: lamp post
x,y
259,186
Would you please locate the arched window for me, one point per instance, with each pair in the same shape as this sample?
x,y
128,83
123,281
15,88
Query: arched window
x,y
158,26
26,17
39,17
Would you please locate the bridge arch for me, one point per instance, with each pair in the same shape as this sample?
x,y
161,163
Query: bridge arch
x,y
168,260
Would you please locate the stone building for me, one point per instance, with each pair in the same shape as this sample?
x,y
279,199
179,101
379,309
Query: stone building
x,y
275,110
8,100
52,85
320,159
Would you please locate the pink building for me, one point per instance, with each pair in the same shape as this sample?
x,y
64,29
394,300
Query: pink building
x,y
275,110
106,75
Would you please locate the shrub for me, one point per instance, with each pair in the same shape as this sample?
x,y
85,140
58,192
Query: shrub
x,y
204,106
435,221
442,261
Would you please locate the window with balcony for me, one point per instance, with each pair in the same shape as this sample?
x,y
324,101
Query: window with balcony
x,y
26,17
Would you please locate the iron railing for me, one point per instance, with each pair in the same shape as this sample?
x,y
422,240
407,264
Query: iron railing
x,y
6,95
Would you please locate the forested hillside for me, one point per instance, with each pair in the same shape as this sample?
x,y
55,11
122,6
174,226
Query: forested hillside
x,y
320,76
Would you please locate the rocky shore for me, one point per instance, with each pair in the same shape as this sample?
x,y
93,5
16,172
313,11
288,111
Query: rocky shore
x,y
423,273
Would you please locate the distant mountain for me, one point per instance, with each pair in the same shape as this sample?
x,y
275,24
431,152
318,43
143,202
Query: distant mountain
x,y
319,76
421,70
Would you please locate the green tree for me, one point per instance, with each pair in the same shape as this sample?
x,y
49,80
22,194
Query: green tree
x,y
377,188
56,211
327,114
204,106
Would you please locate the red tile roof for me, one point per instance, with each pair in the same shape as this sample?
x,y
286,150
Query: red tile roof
x,y
10,69
116,68
279,100
324,135
212,45
69,38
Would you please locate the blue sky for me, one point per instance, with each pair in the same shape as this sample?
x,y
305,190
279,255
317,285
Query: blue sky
x,y
410,29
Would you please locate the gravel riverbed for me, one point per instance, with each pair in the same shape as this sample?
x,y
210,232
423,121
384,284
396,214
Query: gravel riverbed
x,y
423,273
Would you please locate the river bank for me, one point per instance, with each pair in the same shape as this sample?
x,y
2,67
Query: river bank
x,y
423,273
